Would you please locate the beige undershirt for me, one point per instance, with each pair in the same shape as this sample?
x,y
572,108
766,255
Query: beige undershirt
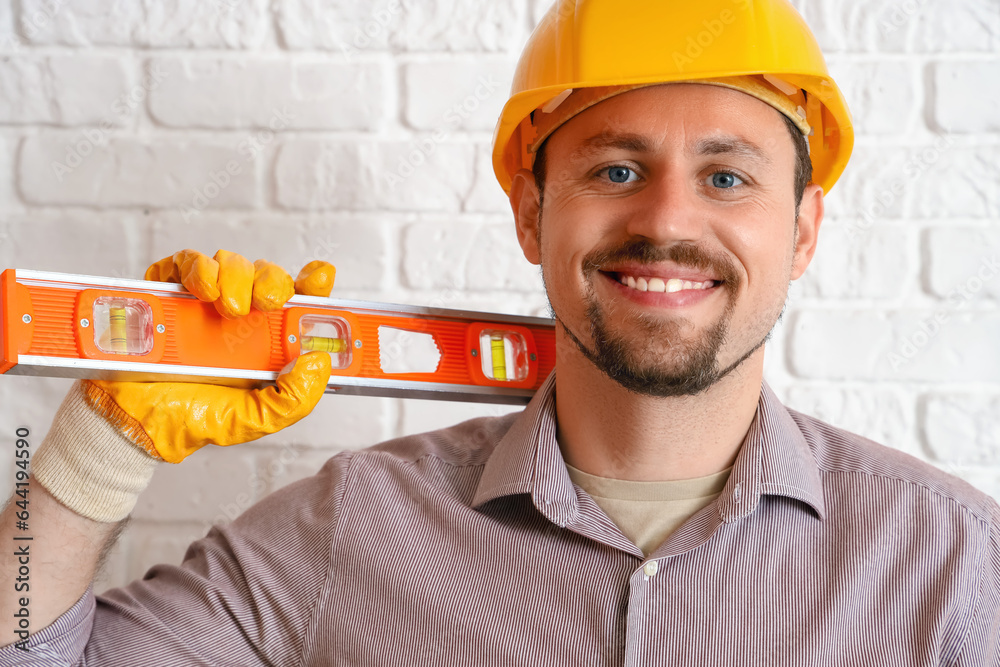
x,y
648,512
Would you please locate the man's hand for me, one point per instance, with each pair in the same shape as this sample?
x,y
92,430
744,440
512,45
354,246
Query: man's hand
x,y
89,472
234,284
172,420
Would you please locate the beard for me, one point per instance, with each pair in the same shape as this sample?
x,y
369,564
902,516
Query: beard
x,y
656,359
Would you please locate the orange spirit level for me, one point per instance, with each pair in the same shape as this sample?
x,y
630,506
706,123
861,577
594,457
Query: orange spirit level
x,y
64,325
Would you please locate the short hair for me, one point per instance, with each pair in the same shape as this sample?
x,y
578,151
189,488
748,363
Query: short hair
x,y
803,164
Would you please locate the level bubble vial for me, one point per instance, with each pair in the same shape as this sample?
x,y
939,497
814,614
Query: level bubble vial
x,y
327,333
123,326
504,355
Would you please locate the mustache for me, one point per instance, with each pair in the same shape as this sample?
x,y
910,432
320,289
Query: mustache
x,y
684,254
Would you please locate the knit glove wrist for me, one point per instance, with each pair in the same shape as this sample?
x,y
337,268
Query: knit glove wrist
x,y
88,465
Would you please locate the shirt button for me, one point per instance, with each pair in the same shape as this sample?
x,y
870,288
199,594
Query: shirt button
x,y
651,568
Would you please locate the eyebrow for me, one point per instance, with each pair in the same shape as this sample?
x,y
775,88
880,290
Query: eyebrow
x,y
637,143
634,143
734,146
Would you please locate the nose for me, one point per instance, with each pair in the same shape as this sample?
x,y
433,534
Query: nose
x,y
667,211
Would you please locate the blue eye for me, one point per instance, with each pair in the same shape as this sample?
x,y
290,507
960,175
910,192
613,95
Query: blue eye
x,y
725,180
620,174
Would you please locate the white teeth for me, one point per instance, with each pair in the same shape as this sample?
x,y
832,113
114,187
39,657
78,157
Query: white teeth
x,y
659,285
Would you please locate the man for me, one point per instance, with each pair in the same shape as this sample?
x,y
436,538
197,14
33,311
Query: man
x,y
654,504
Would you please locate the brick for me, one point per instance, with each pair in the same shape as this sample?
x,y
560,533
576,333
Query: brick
x,y
91,168
466,256
963,100
874,264
349,28
206,483
339,422
963,428
8,36
456,95
941,345
466,26
885,97
486,196
963,264
46,90
960,26
87,243
235,24
356,248
426,174
775,364
903,26
8,196
940,179
290,465
407,25
269,93
152,543
886,416
419,416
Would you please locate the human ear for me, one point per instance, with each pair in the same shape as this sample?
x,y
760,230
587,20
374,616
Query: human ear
x,y
810,219
524,202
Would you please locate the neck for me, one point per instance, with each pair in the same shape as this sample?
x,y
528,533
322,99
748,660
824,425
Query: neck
x,y
608,431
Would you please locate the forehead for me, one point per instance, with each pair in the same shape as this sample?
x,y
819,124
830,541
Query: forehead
x,y
687,116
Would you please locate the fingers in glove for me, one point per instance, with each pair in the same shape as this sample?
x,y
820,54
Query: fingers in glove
x,y
164,271
236,277
198,273
316,279
294,395
272,286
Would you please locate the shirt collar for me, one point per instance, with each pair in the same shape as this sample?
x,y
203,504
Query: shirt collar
x,y
775,459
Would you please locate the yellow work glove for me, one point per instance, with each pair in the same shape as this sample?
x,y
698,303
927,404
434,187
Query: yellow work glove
x,y
95,457
172,420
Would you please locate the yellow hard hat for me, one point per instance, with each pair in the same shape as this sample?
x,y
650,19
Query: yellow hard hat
x,y
601,43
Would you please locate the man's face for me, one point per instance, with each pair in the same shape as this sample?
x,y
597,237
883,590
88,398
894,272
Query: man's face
x,y
667,236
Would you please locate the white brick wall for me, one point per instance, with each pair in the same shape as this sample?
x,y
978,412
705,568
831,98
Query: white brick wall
x,y
359,133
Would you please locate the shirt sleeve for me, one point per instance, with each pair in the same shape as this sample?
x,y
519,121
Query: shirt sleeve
x,y
244,595
61,643
982,643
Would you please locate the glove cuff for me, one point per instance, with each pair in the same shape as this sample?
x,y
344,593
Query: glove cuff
x,y
88,465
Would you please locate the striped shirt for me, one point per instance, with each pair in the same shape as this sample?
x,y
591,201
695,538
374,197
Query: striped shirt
x,y
471,546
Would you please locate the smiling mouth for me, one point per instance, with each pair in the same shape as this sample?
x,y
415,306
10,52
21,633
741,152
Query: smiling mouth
x,y
654,284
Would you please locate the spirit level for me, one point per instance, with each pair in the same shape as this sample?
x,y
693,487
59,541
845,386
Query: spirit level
x,y
64,325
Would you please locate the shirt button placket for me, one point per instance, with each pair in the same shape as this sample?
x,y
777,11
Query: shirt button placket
x,y
636,627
